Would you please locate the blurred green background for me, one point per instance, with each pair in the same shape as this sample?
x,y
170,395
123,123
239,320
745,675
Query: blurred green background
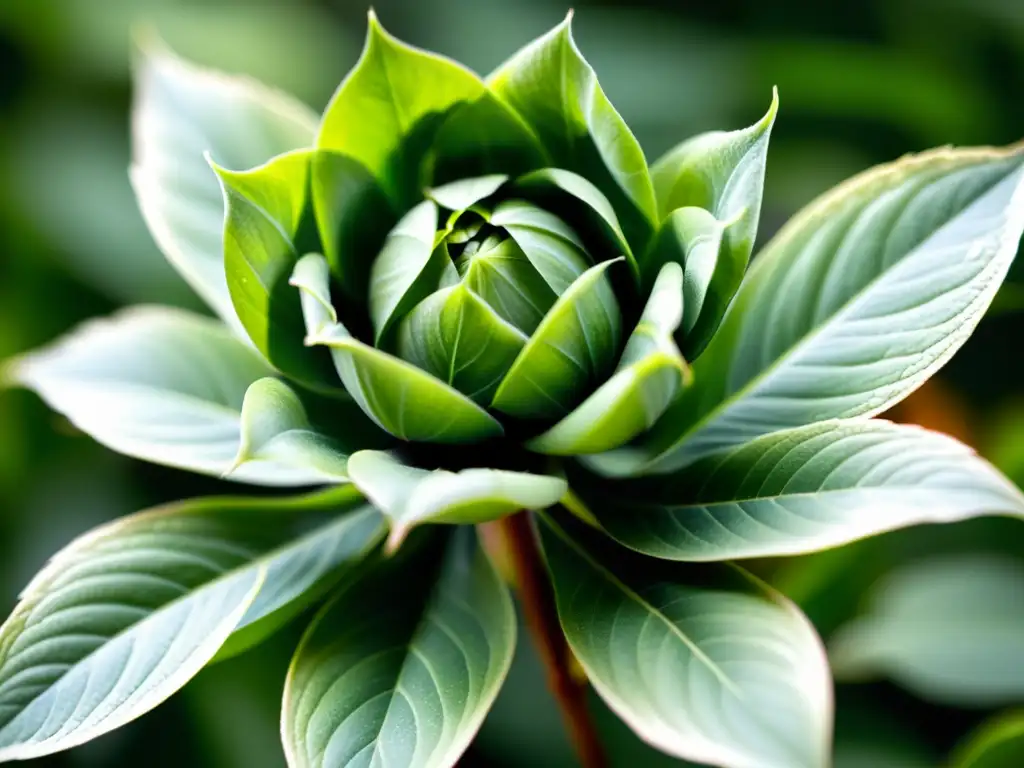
x,y
860,83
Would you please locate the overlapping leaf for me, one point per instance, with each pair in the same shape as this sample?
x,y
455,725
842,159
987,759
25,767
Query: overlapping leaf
x,y
401,667
802,490
125,615
701,660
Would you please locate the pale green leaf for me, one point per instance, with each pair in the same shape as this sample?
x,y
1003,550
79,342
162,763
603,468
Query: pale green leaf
x,y
854,304
465,193
409,496
454,335
394,97
997,743
157,384
126,614
180,112
948,628
402,666
650,374
573,348
703,661
803,490
268,225
312,276
553,87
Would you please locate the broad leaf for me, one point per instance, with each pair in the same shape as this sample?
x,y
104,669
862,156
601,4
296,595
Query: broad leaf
x,y
650,375
703,661
268,225
125,615
465,193
997,743
157,384
394,97
948,628
409,496
556,91
854,304
573,348
402,666
802,490
454,335
276,427
180,112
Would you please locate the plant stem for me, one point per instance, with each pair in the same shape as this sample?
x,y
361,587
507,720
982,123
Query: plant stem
x,y
538,603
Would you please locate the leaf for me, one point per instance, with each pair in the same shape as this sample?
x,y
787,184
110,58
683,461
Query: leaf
x,y
312,276
703,661
947,628
854,304
409,496
180,112
160,385
394,93
454,335
573,348
555,90
353,216
802,490
268,225
465,193
997,743
401,667
407,270
723,173
125,615
649,376
276,427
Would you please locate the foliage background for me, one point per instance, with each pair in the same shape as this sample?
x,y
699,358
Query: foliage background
x,y
860,83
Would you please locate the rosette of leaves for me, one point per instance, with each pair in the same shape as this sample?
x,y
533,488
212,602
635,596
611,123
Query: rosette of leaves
x,y
456,301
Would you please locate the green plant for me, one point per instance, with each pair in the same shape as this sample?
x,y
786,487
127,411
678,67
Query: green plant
x,y
457,299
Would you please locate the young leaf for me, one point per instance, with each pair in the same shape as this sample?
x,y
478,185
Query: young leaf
x,y
997,743
854,304
703,661
277,428
312,276
454,335
402,666
649,376
267,226
976,660
180,112
157,384
466,192
556,91
394,95
409,496
802,490
125,615
574,346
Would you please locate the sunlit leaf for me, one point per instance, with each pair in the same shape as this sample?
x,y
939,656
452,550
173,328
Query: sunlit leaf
x,y
997,743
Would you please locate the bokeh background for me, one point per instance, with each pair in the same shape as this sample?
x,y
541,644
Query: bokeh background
x,y
927,625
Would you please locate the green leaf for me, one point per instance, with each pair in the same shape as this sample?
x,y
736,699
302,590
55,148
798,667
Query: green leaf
x,y
454,335
180,112
312,276
157,384
947,628
556,91
649,376
267,226
721,172
573,348
854,304
126,614
402,399
802,490
465,193
392,97
409,496
703,661
402,666
277,428
353,216
408,269
997,743
554,250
